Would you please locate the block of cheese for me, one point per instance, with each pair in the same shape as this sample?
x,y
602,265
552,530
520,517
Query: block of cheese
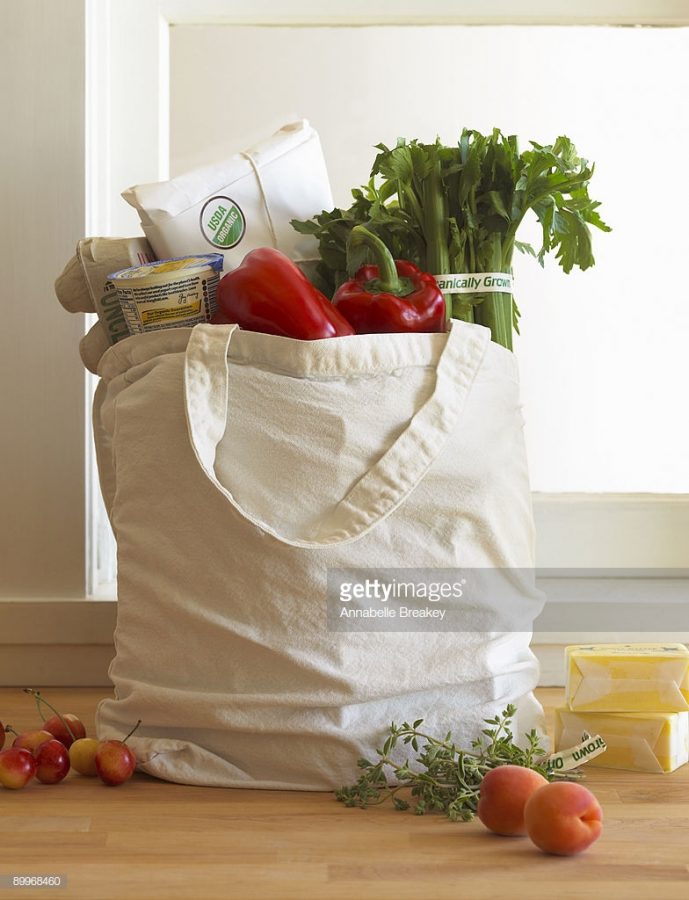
x,y
627,677
641,742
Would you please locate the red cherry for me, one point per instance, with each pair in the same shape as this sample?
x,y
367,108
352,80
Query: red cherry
x,y
56,727
115,762
31,740
52,762
17,768
66,729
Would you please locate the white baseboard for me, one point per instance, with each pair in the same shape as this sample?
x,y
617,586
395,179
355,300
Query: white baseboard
x,y
551,659
58,641
612,531
86,665
59,665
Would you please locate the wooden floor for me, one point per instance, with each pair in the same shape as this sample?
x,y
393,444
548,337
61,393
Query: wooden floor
x,y
149,839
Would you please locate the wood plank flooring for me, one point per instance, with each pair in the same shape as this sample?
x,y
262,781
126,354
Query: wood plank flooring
x,y
149,840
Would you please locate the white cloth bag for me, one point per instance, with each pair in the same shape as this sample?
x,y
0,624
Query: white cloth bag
x,y
262,189
238,468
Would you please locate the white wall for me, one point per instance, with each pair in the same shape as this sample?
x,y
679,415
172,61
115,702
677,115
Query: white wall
x,y
41,218
603,353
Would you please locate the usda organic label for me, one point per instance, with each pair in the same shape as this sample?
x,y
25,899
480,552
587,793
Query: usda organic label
x,y
222,222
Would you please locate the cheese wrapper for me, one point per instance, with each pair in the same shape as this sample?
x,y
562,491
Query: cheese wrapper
x,y
627,677
640,742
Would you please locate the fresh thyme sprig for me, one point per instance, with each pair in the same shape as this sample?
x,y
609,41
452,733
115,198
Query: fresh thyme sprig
x,y
446,778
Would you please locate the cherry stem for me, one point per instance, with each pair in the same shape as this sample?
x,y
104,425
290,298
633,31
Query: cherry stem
x,y
38,707
131,732
40,699
10,730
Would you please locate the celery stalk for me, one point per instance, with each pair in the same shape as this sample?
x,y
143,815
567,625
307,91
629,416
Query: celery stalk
x,y
495,312
435,226
436,233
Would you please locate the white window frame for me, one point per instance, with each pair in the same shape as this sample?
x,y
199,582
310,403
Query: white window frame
x,y
127,141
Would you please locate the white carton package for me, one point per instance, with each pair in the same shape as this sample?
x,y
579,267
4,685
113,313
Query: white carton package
x,y
240,204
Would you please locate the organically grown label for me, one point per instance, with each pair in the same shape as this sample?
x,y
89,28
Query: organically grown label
x,y
222,222
475,283
590,747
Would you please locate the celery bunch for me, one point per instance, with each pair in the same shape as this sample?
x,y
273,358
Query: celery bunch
x,y
458,209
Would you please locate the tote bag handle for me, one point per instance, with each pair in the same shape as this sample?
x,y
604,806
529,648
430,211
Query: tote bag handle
x,y
387,484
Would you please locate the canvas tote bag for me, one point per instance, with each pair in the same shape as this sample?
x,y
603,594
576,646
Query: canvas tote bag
x,y
238,469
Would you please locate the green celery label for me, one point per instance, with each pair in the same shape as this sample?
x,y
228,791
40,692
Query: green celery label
x,y
475,283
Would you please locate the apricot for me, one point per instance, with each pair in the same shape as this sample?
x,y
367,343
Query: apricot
x,y
503,795
563,818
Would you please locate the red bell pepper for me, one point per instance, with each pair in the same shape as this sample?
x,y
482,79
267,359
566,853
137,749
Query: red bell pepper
x,y
393,295
268,293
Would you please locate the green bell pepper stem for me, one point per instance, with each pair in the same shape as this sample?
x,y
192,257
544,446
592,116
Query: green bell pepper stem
x,y
388,280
